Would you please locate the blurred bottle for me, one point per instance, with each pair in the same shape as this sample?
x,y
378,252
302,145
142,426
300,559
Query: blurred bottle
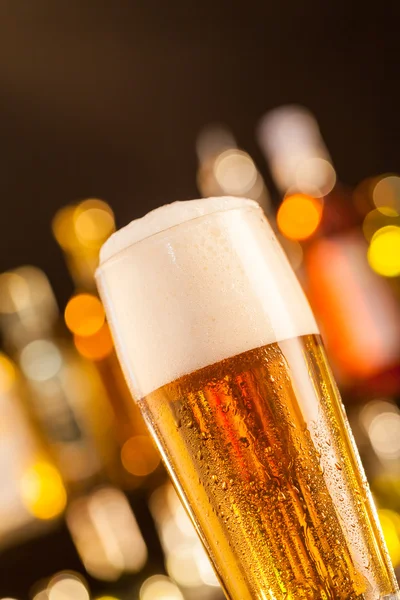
x,y
226,170
358,316
159,587
80,231
64,585
106,534
376,428
66,397
186,561
32,493
377,199
70,406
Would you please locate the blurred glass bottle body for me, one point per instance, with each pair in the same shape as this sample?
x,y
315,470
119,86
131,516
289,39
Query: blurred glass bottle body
x,y
66,397
186,561
69,404
80,230
32,493
358,316
226,170
376,427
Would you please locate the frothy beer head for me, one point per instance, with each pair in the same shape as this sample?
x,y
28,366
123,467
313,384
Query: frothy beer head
x,y
196,282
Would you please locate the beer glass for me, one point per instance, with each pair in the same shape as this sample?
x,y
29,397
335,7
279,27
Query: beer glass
x,y
223,355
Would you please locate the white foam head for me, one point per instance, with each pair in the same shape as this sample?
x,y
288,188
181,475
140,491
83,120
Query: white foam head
x,y
193,283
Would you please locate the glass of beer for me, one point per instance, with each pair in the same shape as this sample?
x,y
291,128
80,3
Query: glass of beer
x,y
223,355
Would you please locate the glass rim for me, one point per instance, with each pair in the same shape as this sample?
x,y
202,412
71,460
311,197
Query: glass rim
x,y
119,254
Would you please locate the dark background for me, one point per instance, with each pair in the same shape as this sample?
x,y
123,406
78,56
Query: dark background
x,y
105,99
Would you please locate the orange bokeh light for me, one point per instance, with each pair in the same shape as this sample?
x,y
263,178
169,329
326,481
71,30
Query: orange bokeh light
x,y
97,346
139,456
299,216
84,315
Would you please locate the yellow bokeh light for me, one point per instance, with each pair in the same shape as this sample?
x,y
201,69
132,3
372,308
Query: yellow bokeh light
x,y
139,456
384,251
376,219
299,216
84,315
390,523
87,224
8,374
63,229
106,598
93,222
97,346
42,491
386,193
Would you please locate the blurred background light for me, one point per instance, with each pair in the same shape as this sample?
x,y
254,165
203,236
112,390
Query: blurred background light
x,y
14,294
80,230
224,169
41,595
390,523
28,308
8,374
106,534
315,176
384,251
386,193
159,587
94,222
24,287
42,491
96,346
61,226
89,223
182,567
381,421
376,219
68,586
40,360
186,560
298,158
299,216
84,314
235,172
213,140
384,433
139,456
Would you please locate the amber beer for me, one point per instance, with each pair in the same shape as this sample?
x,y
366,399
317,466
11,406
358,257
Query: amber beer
x,y
221,350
